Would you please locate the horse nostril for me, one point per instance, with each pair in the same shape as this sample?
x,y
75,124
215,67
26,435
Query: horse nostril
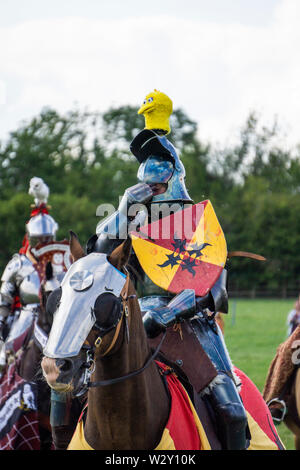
x,y
65,365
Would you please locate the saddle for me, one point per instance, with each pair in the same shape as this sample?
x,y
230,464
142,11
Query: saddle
x,y
184,354
187,356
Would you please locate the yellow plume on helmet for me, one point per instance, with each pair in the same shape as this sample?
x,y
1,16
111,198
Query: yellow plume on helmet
x,y
156,109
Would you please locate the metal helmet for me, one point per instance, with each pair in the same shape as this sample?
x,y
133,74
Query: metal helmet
x,y
41,228
159,163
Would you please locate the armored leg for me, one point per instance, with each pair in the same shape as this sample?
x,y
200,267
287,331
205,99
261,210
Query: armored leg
x,y
64,415
222,396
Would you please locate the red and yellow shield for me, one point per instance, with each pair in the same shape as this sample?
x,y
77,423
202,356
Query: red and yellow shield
x,y
186,250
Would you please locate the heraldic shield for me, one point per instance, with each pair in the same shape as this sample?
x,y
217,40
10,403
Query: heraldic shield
x,y
57,253
184,250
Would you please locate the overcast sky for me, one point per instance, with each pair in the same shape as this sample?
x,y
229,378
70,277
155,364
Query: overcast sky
x,y
216,59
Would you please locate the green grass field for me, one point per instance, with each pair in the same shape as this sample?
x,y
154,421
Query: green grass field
x,y
253,331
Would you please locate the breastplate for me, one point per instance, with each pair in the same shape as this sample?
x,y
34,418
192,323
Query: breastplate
x,y
28,282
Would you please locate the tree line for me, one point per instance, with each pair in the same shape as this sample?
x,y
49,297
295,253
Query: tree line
x,y
84,158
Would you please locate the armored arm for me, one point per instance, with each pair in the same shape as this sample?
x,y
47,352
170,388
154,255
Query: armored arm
x,y
111,231
217,298
8,289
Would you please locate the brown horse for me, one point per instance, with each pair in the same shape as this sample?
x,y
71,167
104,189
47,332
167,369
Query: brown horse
x,y
128,400
130,395
282,385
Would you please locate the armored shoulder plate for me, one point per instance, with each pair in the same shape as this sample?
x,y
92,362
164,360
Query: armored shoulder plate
x,y
25,269
12,268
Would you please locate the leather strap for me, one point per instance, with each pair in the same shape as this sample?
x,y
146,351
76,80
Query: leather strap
x,y
124,295
117,331
131,374
124,291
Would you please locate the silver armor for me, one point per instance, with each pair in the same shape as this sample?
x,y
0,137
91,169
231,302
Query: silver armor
x,y
19,278
84,282
41,224
41,228
160,163
114,229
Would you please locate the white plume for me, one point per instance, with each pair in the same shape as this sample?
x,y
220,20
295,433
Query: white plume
x,y
39,190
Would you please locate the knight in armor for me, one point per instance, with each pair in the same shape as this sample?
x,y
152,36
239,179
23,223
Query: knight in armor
x,y
161,176
293,318
20,279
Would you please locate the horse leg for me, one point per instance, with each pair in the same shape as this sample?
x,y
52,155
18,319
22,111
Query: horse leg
x,y
297,396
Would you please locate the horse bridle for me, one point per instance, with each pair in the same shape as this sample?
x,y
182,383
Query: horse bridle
x,y
124,314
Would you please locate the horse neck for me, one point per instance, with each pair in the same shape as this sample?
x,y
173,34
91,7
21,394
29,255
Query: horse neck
x,y
130,414
29,365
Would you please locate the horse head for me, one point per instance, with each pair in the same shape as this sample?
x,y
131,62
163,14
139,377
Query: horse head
x,y
87,310
50,283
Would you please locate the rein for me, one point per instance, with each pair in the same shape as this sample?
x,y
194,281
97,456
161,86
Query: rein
x,y
131,374
126,315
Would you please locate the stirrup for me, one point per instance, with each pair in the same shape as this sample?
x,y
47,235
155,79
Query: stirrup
x,y
283,410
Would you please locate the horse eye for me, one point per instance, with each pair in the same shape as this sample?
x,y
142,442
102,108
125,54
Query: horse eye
x,y
53,301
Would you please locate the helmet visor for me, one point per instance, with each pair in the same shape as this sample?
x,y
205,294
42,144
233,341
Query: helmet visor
x,y
155,170
41,225
36,240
